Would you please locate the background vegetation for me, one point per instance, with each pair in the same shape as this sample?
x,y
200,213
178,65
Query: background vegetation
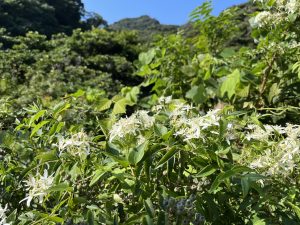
x,y
196,124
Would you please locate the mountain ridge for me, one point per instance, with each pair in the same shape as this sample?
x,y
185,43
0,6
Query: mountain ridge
x,y
148,26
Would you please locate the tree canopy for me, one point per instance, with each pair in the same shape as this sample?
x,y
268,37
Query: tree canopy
x,y
45,16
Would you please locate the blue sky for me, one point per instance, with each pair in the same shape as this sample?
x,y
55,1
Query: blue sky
x,y
166,11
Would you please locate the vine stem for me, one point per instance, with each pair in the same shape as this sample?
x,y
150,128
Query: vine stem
x,y
266,74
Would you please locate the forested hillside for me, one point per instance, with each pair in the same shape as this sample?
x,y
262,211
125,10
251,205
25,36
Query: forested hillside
x,y
146,26
149,27
44,16
143,123
143,23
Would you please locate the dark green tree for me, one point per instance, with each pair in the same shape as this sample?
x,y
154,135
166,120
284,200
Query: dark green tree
x,y
45,16
92,19
67,12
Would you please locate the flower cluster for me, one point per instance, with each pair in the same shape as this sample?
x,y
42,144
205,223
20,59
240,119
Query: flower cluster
x,y
77,146
262,19
281,9
265,132
281,158
37,186
162,101
192,127
292,131
183,119
188,124
230,134
280,161
258,133
292,6
132,125
3,215
165,100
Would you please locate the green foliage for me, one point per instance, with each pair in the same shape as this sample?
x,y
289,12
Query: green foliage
x,y
147,168
45,16
192,131
45,70
230,84
208,72
146,26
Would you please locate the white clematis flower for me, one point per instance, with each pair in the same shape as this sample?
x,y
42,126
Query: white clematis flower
x,y
3,215
37,187
77,145
132,125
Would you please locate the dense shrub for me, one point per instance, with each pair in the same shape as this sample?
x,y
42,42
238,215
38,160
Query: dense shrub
x,y
45,16
36,68
208,135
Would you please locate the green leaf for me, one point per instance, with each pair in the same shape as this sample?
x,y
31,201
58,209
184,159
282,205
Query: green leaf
x,y
270,3
202,12
37,127
49,217
247,181
243,91
60,187
116,221
146,57
97,176
257,221
230,84
149,208
148,220
292,17
170,153
206,171
59,108
19,127
160,130
56,219
296,68
117,198
80,200
230,173
228,52
90,218
113,152
147,168
121,160
37,116
47,156
131,94
274,91
56,128
58,206
120,106
103,104
136,154
105,125
295,208
245,186
78,93
135,219
144,71
189,70
197,94
12,217
75,171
